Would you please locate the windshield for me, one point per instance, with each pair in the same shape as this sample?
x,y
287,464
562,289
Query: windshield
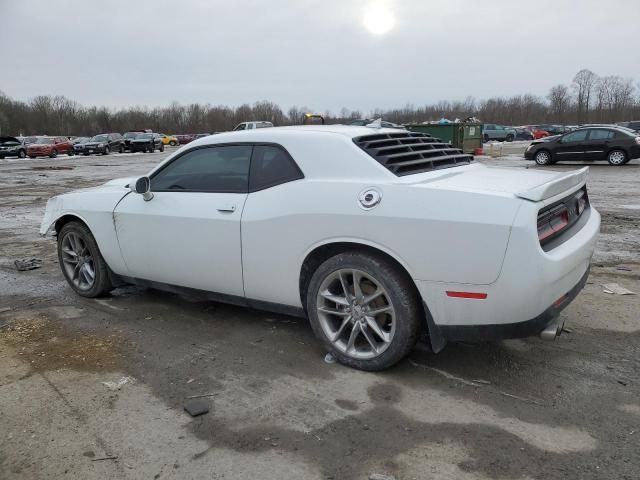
x,y
131,134
144,136
100,138
44,141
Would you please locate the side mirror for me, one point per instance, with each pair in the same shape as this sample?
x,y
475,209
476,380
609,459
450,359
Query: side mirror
x,y
143,187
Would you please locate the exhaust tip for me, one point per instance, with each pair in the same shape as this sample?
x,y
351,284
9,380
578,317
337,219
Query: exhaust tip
x,y
552,330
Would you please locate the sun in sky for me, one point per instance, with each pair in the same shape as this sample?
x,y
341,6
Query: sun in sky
x,y
378,18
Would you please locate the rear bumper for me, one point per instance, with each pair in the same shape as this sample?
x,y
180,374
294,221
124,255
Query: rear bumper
x,y
527,328
532,289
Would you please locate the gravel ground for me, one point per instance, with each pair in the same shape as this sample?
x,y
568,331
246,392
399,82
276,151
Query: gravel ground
x,y
520,409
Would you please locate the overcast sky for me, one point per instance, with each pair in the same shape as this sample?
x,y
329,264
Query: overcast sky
x,y
317,53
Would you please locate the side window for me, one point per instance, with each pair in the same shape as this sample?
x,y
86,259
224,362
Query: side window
x,y
223,169
601,135
271,166
489,127
242,126
575,136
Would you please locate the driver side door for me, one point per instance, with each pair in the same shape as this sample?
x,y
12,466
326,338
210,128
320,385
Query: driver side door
x,y
188,234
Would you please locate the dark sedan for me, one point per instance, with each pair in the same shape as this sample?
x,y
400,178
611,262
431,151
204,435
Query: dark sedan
x,y
616,145
146,142
104,143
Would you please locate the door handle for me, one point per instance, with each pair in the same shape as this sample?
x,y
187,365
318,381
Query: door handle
x,y
227,208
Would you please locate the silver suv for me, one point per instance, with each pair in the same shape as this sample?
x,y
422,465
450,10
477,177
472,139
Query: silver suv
x,y
492,131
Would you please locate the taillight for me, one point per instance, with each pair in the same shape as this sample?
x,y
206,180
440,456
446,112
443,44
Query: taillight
x,y
581,196
552,222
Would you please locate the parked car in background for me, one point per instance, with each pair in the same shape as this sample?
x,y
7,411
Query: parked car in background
x,y
130,135
28,140
168,139
78,144
633,125
50,147
617,145
553,129
252,125
12,147
538,132
200,135
394,236
361,122
105,143
491,131
523,133
147,142
184,139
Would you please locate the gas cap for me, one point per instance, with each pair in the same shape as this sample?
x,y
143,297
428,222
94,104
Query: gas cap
x,y
369,198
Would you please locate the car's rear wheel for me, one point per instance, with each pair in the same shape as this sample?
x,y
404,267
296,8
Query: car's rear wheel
x,y
172,143
617,157
53,154
509,138
32,157
364,309
162,147
151,148
81,261
543,157
485,138
70,152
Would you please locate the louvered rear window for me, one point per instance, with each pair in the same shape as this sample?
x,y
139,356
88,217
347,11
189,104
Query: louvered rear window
x,y
406,153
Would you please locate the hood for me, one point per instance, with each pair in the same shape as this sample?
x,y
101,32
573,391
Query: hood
x,y
4,140
550,138
530,184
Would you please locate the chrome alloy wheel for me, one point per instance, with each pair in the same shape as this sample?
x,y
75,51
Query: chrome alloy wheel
x,y
543,158
356,313
617,157
78,262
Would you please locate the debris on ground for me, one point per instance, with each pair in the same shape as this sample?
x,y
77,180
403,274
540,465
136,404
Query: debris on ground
x,y
31,264
201,395
110,457
624,269
329,358
190,380
54,167
196,408
5,309
614,288
380,476
114,386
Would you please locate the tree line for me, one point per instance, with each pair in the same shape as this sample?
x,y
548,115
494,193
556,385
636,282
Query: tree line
x,y
589,98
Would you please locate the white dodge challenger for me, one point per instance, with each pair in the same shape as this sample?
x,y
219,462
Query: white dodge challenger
x,y
376,235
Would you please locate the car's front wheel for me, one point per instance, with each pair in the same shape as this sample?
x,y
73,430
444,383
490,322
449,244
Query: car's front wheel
x,y
81,261
543,157
53,154
22,154
121,149
617,157
364,309
509,138
106,151
172,143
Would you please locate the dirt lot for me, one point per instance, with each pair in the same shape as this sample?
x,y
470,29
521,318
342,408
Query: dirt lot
x,y
520,409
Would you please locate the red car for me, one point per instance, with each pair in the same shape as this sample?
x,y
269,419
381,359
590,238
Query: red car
x,y
537,133
50,147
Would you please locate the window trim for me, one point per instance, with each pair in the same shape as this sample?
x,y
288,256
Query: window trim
x,y
230,144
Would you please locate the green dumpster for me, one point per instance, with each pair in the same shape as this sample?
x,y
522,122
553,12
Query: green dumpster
x,y
465,136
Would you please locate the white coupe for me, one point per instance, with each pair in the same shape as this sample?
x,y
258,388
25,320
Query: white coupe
x,y
376,235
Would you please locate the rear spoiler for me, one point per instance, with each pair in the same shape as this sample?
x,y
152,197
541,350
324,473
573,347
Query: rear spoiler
x,y
556,186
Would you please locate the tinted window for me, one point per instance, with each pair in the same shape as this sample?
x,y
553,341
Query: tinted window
x,y
242,126
489,127
601,134
271,166
212,169
575,136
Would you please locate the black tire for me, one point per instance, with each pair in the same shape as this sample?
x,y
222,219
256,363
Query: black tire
x,y
172,143
151,148
485,138
70,152
32,157
102,282
22,154
162,147
543,157
53,154
617,157
121,149
86,154
509,138
401,294
107,150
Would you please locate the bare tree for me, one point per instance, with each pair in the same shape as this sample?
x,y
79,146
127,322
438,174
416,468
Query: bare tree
x,y
559,99
583,84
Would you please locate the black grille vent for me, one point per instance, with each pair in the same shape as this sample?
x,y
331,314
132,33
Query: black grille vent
x,y
411,152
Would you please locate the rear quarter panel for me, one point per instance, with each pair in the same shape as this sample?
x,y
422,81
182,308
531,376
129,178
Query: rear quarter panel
x,y
435,234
